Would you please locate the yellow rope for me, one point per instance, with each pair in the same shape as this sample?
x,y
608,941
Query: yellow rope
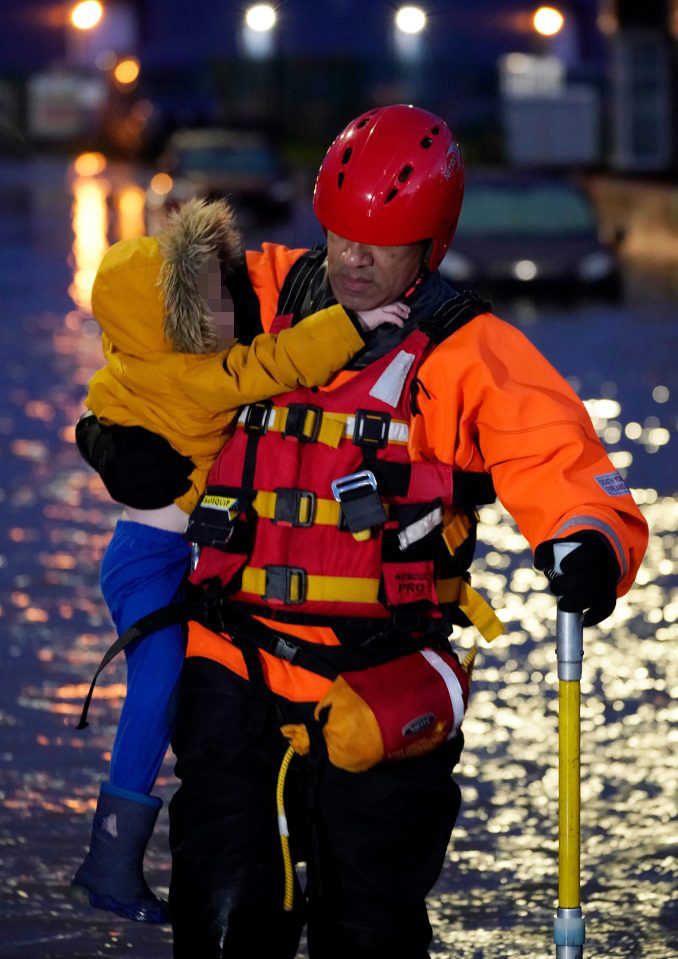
x,y
467,661
284,831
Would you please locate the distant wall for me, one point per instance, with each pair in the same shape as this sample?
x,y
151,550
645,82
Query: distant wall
x,y
647,213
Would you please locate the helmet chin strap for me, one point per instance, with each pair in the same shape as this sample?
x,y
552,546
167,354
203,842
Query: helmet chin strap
x,y
423,274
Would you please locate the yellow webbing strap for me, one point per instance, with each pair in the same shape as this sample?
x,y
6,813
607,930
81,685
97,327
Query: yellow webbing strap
x,y
479,612
339,589
456,526
326,511
333,426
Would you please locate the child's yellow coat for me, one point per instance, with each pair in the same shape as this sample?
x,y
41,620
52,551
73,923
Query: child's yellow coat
x,y
188,398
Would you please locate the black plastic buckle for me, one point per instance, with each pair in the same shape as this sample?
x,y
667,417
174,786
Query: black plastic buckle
x,y
288,507
295,424
371,429
279,584
361,507
256,420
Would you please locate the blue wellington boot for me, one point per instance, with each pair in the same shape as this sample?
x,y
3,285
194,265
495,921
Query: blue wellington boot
x,y
111,876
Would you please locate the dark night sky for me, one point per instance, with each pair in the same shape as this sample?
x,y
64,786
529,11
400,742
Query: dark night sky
x,y
176,31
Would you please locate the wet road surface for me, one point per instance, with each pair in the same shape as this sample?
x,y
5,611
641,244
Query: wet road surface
x,y
496,894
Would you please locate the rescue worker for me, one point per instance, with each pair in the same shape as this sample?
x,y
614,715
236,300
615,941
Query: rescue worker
x,y
340,569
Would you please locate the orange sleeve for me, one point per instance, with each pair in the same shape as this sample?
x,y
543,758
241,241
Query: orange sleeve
x,y
267,271
496,404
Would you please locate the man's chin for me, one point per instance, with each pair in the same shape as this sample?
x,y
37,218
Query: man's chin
x,y
357,300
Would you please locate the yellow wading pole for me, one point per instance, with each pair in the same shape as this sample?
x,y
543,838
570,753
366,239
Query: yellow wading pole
x,y
568,924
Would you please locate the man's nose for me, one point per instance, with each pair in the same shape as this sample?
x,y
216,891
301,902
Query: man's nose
x,y
357,254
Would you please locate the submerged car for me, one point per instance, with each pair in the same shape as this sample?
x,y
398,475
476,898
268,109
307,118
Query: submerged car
x,y
242,165
529,231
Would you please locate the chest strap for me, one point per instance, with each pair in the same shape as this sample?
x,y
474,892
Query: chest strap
x,y
310,424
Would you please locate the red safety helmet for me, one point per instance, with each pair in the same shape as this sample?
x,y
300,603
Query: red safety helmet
x,y
394,175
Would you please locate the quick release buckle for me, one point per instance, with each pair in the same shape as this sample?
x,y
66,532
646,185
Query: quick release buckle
x,y
371,429
295,424
285,584
361,507
256,419
290,504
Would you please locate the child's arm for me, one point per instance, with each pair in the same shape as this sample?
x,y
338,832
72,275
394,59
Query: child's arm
x,y
304,355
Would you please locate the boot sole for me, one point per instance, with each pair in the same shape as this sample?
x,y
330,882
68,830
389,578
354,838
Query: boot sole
x,y
154,914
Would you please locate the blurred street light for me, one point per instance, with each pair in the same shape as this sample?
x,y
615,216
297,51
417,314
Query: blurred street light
x,y
258,30
548,21
410,20
86,15
89,164
261,17
126,71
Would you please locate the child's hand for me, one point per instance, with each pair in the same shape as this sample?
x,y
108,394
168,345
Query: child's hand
x,y
395,313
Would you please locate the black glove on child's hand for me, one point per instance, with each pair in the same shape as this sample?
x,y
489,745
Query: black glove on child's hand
x,y
137,467
588,577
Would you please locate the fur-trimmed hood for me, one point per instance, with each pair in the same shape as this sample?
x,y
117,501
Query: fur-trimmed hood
x,y
195,231
145,295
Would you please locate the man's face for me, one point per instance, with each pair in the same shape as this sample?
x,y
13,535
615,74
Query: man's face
x,y
364,277
218,301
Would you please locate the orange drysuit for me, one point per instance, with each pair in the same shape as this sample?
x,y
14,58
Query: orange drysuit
x,y
490,403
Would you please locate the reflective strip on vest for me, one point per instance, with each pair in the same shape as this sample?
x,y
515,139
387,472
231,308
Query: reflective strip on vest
x,y
333,427
454,689
389,387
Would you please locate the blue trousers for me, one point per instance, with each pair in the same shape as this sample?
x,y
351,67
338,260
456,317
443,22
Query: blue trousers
x,y
145,569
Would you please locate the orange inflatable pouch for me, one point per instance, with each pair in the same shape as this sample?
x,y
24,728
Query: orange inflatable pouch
x,y
399,709
221,529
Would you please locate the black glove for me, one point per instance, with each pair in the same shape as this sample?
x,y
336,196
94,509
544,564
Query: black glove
x,y
588,577
138,468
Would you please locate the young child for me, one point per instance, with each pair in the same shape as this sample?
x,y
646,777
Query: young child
x,y
173,366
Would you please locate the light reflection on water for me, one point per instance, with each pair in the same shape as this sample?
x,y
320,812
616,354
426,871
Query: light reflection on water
x,y
496,894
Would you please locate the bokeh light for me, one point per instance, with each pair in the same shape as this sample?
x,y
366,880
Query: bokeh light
x,y
86,15
410,19
89,164
126,71
261,17
548,21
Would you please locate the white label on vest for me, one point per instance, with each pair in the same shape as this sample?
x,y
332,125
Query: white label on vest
x,y
389,386
422,527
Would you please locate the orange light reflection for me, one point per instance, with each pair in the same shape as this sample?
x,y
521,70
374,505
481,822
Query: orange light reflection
x,y
90,227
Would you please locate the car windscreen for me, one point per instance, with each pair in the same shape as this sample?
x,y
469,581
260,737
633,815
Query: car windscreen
x,y
524,210
225,160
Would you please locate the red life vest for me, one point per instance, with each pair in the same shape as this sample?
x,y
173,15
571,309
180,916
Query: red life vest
x,y
314,509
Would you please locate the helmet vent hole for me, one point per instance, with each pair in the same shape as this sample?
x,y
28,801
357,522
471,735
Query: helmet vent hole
x,y
340,180
435,129
392,194
426,142
347,155
405,173
362,123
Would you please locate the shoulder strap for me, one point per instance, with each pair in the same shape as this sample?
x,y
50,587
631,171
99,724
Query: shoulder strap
x,y
451,315
307,276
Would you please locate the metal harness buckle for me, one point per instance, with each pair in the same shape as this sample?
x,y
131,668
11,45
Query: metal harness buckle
x,y
361,507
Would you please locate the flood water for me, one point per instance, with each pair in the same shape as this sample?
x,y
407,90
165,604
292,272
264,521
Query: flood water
x,y
496,895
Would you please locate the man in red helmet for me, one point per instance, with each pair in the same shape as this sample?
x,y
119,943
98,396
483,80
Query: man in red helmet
x,y
336,534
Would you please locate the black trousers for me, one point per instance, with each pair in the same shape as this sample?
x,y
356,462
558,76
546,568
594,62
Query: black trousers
x,y
374,842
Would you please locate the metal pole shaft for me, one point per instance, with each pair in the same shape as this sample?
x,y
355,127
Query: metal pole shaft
x,y
568,927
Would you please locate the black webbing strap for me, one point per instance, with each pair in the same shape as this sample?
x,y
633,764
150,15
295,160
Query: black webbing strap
x,y
170,615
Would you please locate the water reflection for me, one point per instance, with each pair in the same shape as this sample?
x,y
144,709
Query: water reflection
x,y
496,894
